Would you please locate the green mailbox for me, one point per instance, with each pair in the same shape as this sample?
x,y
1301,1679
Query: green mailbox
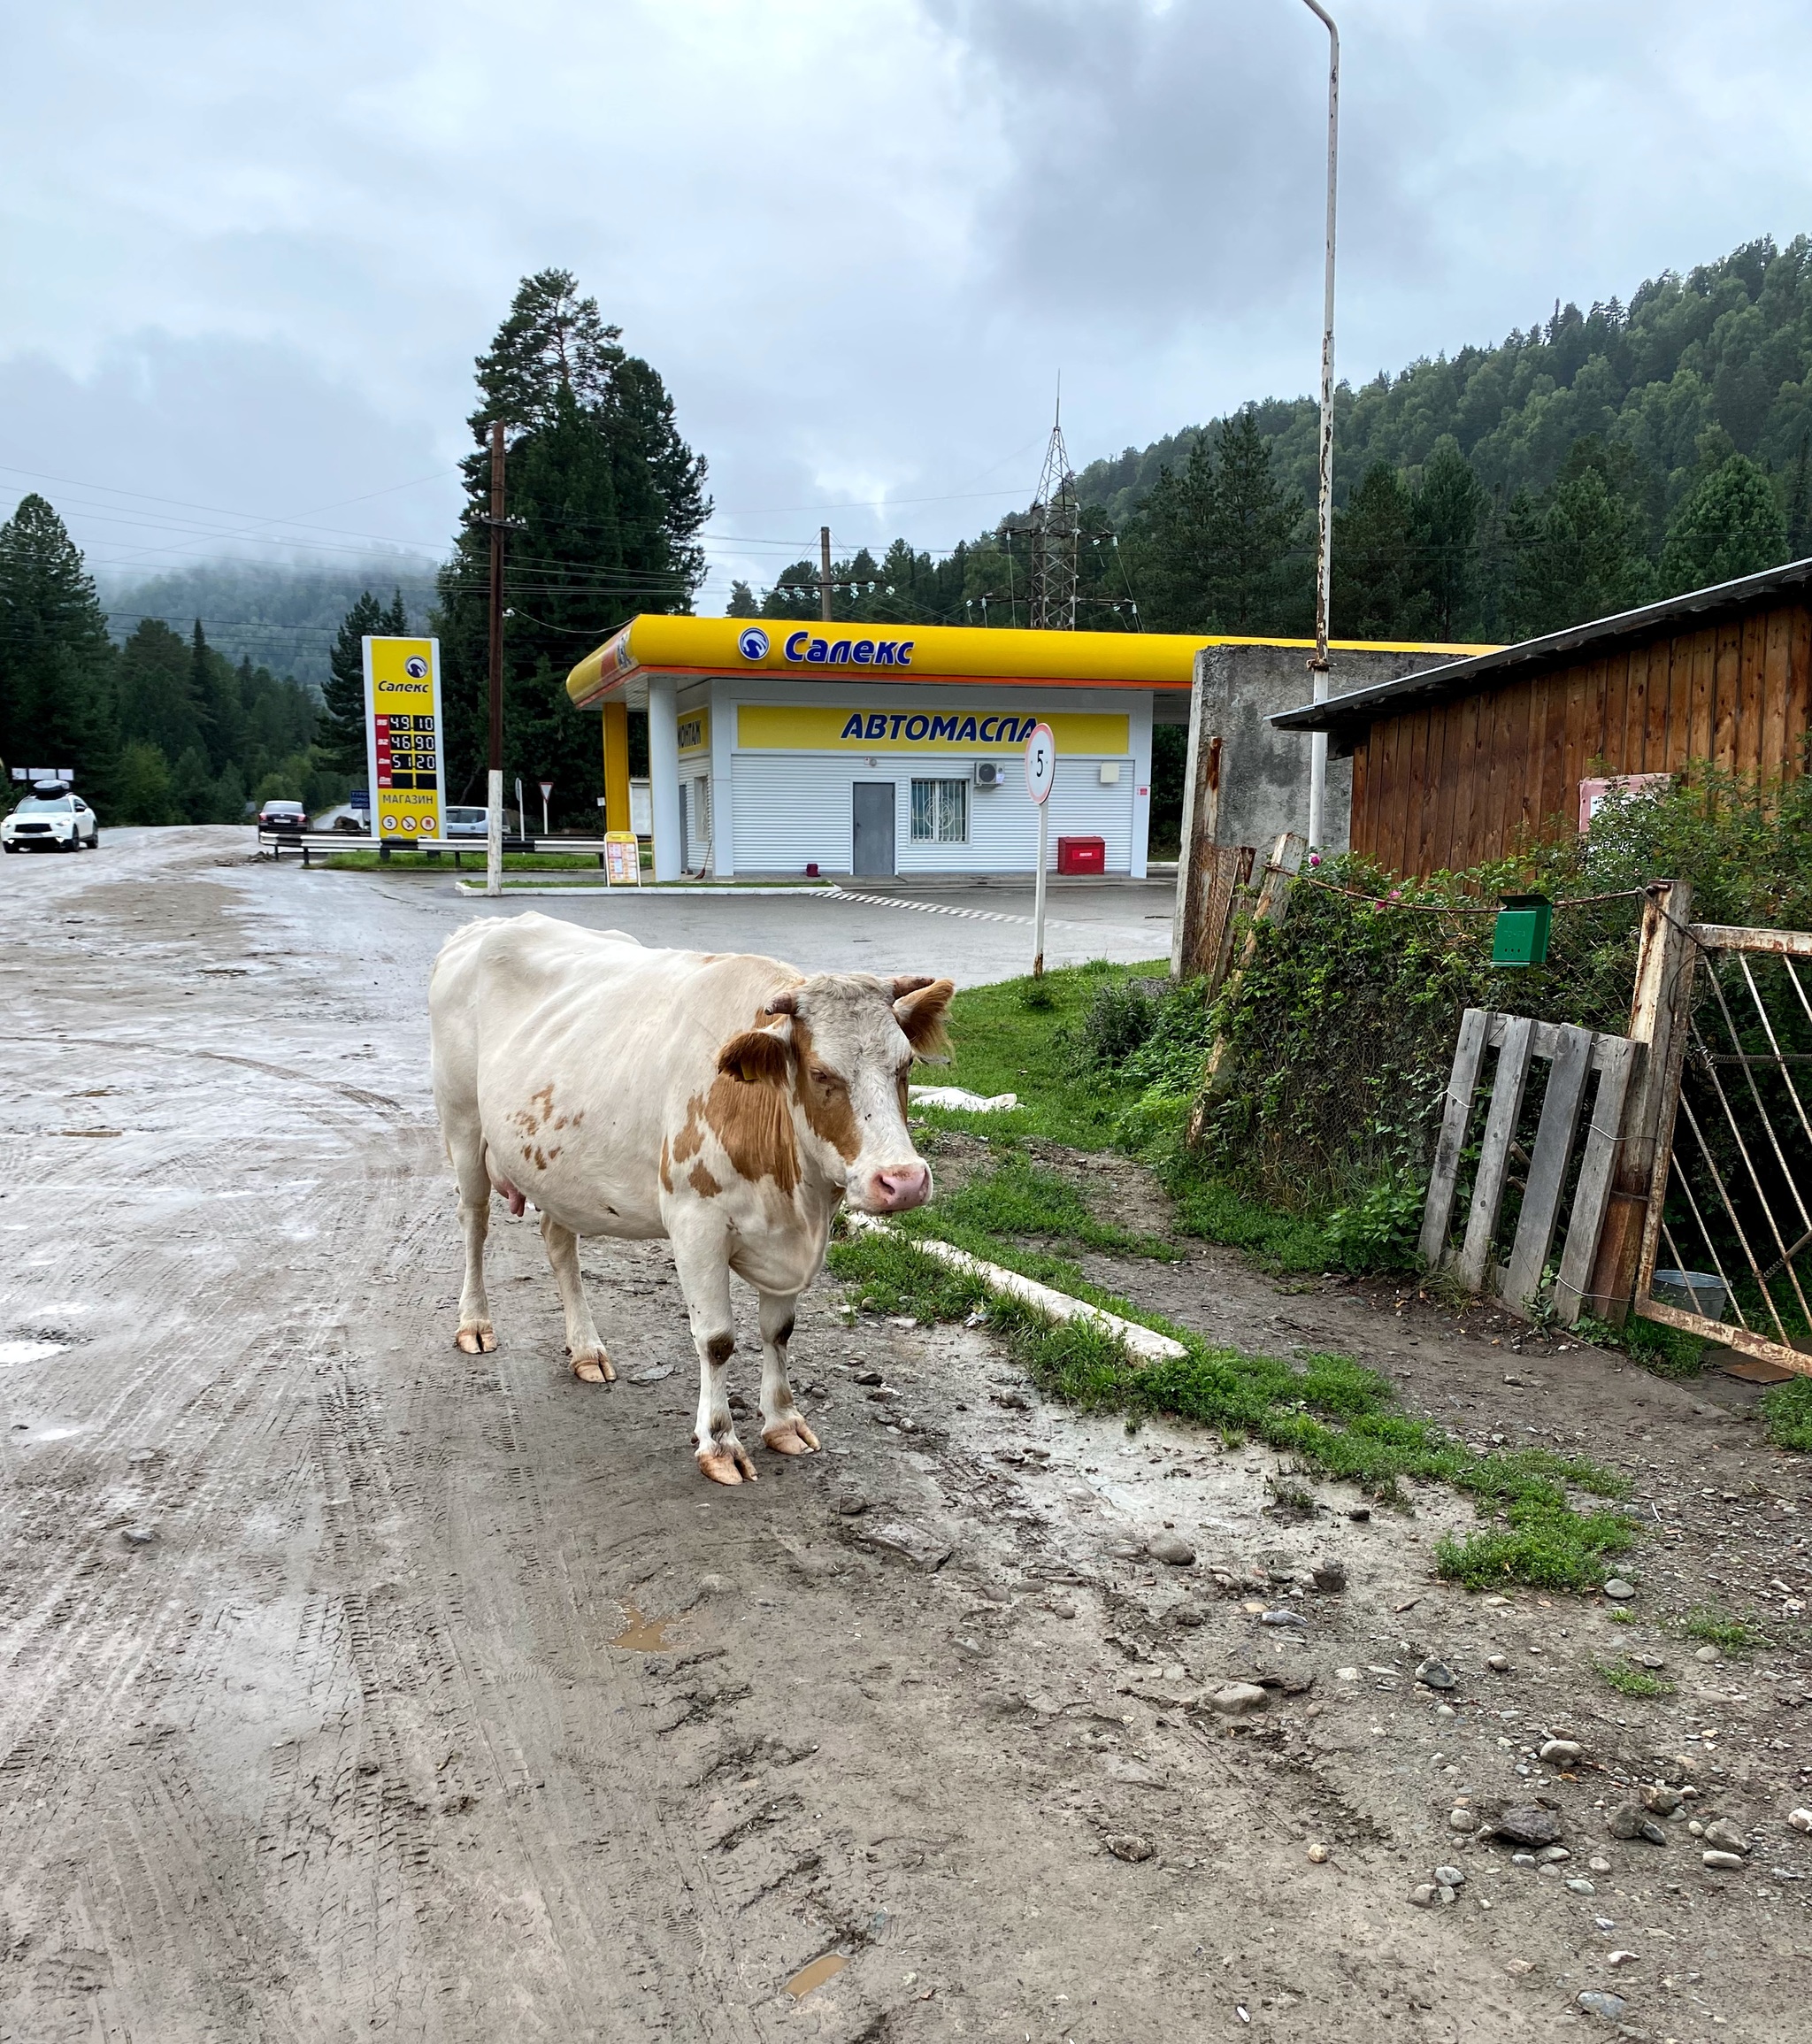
x,y
1520,935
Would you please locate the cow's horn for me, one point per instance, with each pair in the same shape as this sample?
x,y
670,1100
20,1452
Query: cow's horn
x,y
909,983
785,1004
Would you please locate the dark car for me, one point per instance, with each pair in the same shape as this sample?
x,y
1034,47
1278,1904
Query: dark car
x,y
290,817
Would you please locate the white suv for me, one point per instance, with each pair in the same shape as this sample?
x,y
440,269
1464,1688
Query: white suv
x,y
49,819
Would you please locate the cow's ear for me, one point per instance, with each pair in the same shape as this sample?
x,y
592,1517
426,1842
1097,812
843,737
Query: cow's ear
x,y
921,1014
909,983
757,1057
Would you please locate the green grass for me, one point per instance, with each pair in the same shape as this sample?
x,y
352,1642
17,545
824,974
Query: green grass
x,y
407,859
1628,1681
1328,1412
1786,1411
1018,1197
1712,1627
1019,1036
1003,1045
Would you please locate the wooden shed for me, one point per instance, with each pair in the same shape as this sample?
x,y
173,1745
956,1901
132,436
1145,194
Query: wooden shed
x,y
1459,764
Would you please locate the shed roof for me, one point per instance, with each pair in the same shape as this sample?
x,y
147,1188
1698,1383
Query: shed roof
x,y
1356,711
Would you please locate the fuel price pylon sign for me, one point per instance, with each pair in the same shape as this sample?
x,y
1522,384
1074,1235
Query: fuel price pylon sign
x,y
402,738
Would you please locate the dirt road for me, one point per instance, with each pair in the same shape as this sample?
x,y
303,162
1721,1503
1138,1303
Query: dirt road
x,y
353,1686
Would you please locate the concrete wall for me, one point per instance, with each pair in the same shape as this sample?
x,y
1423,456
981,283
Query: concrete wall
x,y
1264,772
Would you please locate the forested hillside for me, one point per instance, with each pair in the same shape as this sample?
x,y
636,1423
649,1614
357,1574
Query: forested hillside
x,y
163,729
1595,460
279,616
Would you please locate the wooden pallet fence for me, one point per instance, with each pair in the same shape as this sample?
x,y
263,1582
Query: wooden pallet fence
x,y
1574,1054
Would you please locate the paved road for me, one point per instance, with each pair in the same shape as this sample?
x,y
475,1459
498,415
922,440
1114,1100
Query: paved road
x,y
351,1686
974,932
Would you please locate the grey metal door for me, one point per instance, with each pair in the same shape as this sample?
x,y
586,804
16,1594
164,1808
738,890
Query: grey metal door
x,y
874,828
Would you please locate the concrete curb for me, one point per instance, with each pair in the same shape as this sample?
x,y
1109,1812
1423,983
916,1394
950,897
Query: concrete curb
x,y
1144,1343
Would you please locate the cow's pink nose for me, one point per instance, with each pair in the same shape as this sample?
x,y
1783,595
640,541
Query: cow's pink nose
x,y
901,1186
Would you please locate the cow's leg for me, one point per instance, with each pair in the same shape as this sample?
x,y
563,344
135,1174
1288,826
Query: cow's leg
x,y
701,1257
476,1335
783,1426
584,1344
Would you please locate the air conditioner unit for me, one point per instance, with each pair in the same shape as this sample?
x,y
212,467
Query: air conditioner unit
x,y
989,774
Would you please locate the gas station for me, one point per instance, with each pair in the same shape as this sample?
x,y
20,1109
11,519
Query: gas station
x,y
875,751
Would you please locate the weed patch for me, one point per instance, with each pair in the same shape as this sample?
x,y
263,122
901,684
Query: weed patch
x,y
1628,1681
1712,1627
1786,1412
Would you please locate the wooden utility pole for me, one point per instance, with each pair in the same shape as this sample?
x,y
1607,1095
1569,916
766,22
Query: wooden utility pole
x,y
493,813
824,572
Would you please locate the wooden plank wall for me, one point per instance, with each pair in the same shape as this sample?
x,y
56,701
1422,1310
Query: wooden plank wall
x,y
1466,781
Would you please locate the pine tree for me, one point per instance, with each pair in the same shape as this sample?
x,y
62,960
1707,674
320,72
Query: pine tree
x,y
1450,507
1578,552
1800,502
157,691
1377,565
1729,525
609,500
340,735
1219,541
55,659
743,602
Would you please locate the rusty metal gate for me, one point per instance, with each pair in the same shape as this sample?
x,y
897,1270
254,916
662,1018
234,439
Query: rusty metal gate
x,y
1727,1242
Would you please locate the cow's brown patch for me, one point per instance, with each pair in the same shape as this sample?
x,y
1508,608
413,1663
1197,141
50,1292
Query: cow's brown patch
x,y
719,1349
538,1113
666,1174
754,1125
702,1183
921,1016
826,1099
690,1139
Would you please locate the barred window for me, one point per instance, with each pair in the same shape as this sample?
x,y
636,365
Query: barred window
x,y
939,812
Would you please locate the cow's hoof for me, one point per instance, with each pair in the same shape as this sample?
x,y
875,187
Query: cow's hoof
x,y
727,1461
478,1341
790,1436
595,1369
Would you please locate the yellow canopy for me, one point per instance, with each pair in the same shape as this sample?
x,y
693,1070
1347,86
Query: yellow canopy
x,y
907,653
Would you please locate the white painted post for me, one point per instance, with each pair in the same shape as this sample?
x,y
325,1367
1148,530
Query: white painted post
x,y
1040,775
494,834
663,773
1044,840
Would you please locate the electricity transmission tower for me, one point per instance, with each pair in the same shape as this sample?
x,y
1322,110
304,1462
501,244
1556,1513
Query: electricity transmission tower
x,y
1055,523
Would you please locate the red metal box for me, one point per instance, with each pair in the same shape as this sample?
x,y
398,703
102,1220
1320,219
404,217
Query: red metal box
x,y
1082,855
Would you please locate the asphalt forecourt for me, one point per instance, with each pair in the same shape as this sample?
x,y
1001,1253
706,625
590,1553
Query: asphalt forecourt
x,y
351,1684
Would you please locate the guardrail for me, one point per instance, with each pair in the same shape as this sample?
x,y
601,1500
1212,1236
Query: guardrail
x,y
307,842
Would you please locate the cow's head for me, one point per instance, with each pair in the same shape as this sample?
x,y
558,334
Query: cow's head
x,y
842,1044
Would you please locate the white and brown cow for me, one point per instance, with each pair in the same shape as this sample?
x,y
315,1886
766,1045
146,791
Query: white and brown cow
x,y
726,1103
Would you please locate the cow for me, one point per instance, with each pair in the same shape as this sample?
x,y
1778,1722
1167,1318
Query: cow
x,y
728,1103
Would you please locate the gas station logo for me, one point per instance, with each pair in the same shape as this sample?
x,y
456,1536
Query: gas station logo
x,y
753,643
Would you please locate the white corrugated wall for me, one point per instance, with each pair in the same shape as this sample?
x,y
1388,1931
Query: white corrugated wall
x,y
794,808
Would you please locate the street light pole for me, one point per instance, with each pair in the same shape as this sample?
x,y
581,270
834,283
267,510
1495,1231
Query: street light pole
x,y
1324,523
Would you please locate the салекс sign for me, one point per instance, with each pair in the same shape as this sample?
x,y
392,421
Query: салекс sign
x,y
403,737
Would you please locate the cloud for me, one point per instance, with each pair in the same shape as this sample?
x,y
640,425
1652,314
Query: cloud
x,y
255,251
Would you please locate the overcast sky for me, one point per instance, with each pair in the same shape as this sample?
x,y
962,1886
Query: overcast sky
x,y
249,253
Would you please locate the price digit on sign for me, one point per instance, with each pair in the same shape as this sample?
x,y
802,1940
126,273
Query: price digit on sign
x,y
1041,763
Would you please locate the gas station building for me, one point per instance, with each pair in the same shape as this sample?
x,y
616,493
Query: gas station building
x,y
872,750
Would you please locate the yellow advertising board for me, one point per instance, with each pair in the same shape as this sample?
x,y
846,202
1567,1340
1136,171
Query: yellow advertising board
x,y
855,727
402,732
694,730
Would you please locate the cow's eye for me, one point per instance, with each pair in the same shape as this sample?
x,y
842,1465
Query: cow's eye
x,y
821,1077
